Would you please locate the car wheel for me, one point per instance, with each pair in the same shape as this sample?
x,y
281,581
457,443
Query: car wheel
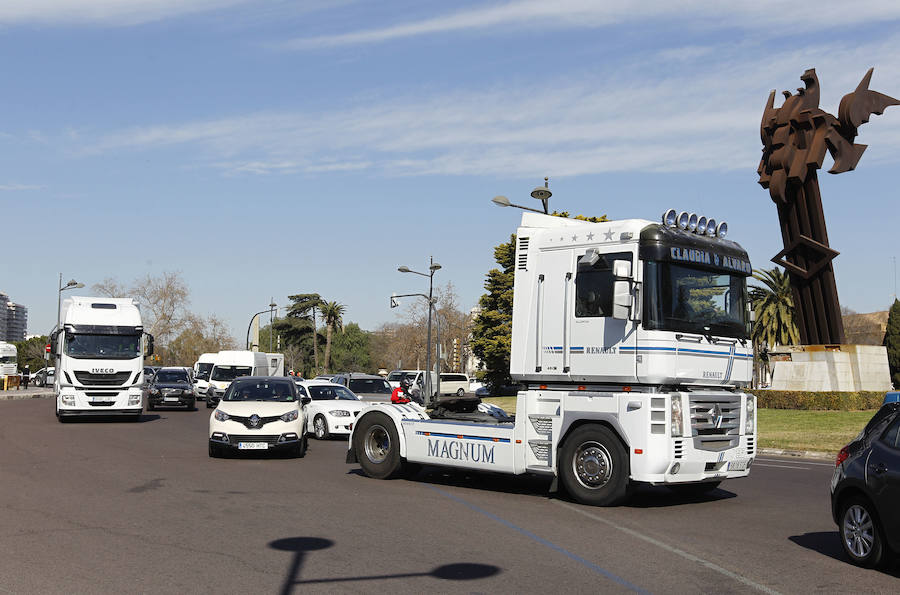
x,y
320,427
593,466
460,392
215,451
300,450
694,489
861,533
377,446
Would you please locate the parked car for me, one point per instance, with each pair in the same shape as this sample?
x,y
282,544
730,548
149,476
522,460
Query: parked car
x,y
865,490
259,413
332,409
44,377
171,387
325,377
454,384
368,387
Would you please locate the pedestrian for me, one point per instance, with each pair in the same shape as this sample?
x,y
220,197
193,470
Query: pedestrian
x,y
26,375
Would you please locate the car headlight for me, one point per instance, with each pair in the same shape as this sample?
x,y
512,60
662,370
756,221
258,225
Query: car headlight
x,y
677,418
221,415
154,391
750,423
290,415
340,413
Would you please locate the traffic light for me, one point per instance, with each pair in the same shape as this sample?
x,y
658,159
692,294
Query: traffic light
x,y
456,354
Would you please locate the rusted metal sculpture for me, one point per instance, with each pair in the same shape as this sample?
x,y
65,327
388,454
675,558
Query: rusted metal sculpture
x,y
795,138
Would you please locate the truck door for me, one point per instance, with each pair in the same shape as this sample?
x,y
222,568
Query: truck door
x,y
554,296
600,345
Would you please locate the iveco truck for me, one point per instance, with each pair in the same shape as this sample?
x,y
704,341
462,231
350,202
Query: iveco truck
x,y
631,340
8,355
99,349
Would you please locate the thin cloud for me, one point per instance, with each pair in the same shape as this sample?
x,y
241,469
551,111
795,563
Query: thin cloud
x,y
103,12
771,15
19,187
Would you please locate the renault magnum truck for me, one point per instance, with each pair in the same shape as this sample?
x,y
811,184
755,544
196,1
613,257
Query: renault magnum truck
x,y
99,351
631,339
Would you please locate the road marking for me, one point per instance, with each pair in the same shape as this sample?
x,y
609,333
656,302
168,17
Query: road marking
x,y
805,462
780,466
542,541
670,548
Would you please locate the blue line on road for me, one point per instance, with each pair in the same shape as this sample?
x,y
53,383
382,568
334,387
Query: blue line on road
x,y
544,542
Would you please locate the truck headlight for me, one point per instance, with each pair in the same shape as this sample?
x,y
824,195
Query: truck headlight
x,y
677,417
750,417
340,413
221,415
289,416
134,400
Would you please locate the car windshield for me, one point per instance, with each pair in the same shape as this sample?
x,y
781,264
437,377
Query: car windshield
x,y
331,393
395,376
86,346
171,376
7,359
203,371
261,390
682,298
370,385
229,373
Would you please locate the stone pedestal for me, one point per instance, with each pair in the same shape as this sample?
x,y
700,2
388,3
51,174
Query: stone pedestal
x,y
830,368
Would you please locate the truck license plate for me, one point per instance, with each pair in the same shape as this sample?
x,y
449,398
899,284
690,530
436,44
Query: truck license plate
x,y
738,465
253,445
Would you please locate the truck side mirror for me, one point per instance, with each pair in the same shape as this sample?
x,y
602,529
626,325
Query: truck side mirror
x,y
54,344
149,345
621,269
621,300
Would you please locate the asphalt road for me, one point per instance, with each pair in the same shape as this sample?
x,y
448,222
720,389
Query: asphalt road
x,y
118,507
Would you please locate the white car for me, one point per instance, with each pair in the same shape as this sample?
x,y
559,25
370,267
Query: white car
x,y
259,413
332,410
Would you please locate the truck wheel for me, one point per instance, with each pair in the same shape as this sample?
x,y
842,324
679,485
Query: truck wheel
x,y
460,392
861,533
377,446
694,489
320,427
593,466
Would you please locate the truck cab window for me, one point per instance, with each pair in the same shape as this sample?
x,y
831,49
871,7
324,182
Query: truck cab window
x,y
594,284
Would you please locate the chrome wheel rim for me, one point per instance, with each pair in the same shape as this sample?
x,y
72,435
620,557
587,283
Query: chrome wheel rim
x,y
859,531
377,444
592,465
319,424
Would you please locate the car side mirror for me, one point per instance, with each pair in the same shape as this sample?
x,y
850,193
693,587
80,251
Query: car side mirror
x,y
305,400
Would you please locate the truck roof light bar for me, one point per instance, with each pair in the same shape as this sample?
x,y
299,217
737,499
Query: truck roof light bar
x,y
694,223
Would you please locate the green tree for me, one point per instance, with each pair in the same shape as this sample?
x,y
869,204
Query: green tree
x,y
332,313
298,329
351,350
30,352
892,342
774,307
492,329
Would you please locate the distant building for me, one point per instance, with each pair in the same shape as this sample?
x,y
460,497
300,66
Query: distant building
x,y
13,320
865,329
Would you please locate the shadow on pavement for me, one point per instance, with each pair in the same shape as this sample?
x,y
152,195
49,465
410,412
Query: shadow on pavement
x,y
101,419
301,545
828,543
660,497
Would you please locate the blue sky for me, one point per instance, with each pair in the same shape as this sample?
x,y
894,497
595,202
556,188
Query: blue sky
x,y
265,148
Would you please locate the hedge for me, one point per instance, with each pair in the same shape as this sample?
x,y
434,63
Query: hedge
x,y
806,400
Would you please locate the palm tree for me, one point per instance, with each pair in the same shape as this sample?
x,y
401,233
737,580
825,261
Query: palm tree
x,y
331,314
773,303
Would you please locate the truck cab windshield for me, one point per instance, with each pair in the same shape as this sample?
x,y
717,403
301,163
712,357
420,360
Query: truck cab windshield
x,y
88,346
693,300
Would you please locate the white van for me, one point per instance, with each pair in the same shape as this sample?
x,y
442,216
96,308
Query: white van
x,y
230,365
202,367
414,375
454,384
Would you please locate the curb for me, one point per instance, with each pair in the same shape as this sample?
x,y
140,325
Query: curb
x,y
801,454
21,396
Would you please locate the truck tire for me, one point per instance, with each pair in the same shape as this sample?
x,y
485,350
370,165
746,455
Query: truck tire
x,y
320,427
377,446
593,466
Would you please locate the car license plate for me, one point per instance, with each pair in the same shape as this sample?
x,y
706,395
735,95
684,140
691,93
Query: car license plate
x,y
738,465
253,445
171,399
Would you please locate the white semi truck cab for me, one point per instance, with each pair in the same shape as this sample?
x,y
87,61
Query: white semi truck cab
x,y
8,361
632,340
99,350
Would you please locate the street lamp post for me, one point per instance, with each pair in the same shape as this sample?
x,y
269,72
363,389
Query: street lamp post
x,y
541,193
72,284
249,326
432,268
272,307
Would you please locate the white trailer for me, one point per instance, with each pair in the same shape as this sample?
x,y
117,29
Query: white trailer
x,y
631,338
276,364
8,358
99,358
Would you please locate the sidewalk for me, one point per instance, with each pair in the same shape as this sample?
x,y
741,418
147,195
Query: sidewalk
x,y
40,392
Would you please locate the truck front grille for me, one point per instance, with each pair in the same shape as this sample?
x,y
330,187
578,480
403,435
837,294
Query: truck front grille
x,y
88,379
715,421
